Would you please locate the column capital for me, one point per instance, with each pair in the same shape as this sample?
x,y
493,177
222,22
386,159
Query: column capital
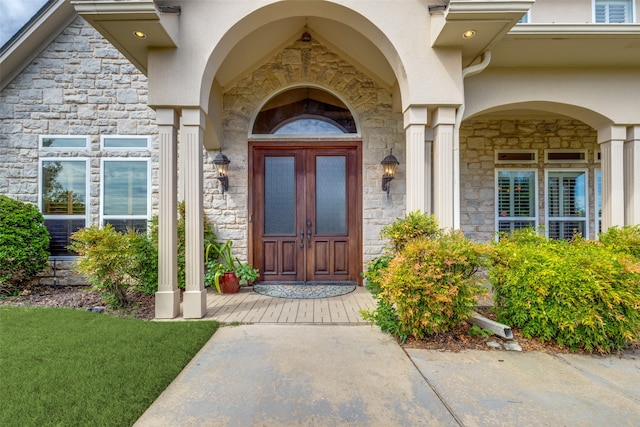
x,y
193,117
443,116
612,133
415,115
633,133
167,117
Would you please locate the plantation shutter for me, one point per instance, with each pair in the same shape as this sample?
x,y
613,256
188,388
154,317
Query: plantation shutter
x,y
566,204
613,12
515,200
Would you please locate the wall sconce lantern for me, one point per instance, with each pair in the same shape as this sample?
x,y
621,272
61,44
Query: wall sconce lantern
x,y
222,164
389,165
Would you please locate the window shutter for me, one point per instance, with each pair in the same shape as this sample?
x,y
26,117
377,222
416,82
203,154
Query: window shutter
x,y
613,11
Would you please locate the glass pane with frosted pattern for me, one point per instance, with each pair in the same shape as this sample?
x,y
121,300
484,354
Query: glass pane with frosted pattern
x,y
279,196
331,195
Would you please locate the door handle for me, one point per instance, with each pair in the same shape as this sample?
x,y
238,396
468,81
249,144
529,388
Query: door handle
x,y
308,237
302,238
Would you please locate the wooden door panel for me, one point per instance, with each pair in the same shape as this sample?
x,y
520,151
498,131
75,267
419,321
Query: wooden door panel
x,y
332,255
341,257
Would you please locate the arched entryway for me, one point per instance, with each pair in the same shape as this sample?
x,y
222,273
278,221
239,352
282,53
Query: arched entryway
x,y
305,189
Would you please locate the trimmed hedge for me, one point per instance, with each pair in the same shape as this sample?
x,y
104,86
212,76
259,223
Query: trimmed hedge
x,y
24,244
582,294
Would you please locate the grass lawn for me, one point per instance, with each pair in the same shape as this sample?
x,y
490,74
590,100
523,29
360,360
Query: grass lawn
x,y
70,368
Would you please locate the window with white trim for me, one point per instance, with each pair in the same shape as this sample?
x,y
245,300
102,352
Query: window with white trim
x,y
124,142
64,189
63,142
125,194
598,200
566,203
516,195
613,11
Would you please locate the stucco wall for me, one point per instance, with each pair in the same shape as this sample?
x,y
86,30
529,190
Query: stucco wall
x,y
479,140
300,64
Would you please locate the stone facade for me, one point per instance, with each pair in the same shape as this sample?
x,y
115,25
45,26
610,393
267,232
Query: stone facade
x,y
479,140
309,63
78,85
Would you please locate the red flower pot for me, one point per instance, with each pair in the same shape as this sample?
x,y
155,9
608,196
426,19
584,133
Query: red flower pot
x,y
229,283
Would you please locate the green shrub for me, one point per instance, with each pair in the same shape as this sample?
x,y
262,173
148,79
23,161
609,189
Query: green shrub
x,y
431,284
210,238
623,239
24,244
582,294
373,271
411,226
112,262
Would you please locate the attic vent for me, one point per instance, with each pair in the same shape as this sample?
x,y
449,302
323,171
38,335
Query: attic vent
x,y
516,156
566,156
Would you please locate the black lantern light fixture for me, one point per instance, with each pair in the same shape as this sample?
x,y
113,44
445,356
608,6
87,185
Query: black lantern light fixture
x,y
389,165
222,164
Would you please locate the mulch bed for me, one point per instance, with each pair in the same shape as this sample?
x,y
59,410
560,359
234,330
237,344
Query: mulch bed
x,y
141,307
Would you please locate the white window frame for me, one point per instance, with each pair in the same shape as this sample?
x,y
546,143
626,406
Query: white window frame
x,y
536,200
103,216
41,139
585,155
630,4
547,218
87,193
597,199
498,161
140,137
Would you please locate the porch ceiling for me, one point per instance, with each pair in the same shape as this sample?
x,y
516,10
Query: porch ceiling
x,y
580,45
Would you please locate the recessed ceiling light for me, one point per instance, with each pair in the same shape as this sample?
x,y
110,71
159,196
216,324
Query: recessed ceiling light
x,y
140,34
469,34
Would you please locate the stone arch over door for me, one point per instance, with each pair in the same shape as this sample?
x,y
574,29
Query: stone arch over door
x,y
310,64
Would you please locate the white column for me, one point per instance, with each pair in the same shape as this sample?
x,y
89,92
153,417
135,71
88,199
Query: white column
x,y
443,170
195,297
632,176
415,121
168,295
428,180
611,140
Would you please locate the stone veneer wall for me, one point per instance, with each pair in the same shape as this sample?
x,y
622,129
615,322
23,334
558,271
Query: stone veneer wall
x,y
79,85
302,64
479,139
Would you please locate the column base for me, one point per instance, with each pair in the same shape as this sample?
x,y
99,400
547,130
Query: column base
x,y
167,304
194,304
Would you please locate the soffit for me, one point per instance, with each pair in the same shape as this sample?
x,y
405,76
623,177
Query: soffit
x,y
118,21
554,45
490,20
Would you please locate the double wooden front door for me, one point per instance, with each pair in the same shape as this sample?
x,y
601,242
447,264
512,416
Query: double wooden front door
x,y
304,216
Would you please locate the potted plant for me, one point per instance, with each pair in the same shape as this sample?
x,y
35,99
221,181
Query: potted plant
x,y
223,270
247,273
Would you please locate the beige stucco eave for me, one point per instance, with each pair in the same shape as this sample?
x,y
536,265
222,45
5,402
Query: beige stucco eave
x,y
118,20
490,20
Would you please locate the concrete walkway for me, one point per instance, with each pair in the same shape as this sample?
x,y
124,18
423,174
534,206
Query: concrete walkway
x,y
350,374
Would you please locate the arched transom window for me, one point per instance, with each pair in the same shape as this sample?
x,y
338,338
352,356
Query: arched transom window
x,y
304,111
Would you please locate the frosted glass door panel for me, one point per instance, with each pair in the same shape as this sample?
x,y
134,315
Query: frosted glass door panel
x,y
279,196
331,195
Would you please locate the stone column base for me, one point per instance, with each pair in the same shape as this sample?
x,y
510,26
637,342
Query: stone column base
x,y
167,304
194,304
